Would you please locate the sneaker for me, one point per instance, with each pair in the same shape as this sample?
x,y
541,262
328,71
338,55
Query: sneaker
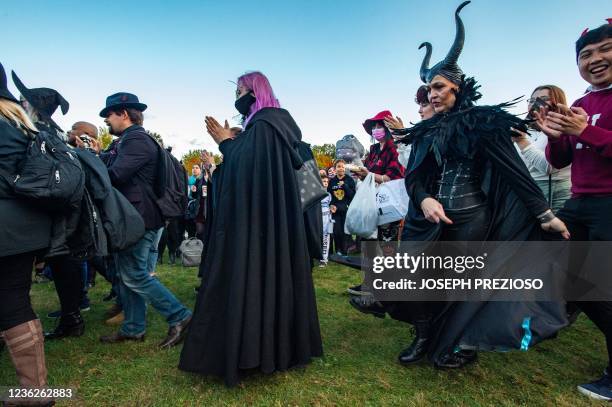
x,y
600,389
356,290
322,264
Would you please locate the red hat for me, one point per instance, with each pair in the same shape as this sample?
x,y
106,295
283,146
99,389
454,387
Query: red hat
x,y
369,123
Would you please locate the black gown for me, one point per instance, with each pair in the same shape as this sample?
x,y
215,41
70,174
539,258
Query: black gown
x,y
514,201
256,307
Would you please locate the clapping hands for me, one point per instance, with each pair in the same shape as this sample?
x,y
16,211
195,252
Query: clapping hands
x,y
567,120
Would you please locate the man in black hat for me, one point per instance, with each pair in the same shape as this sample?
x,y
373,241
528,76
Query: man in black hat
x,y
132,162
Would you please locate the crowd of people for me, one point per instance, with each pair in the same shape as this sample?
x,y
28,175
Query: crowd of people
x,y
472,173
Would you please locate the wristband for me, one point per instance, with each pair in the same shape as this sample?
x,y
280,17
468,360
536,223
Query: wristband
x,y
546,217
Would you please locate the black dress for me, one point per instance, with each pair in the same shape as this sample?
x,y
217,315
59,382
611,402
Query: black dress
x,y
499,201
256,307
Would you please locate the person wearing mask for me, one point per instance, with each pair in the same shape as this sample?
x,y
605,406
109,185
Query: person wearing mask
x,y
554,183
342,189
382,161
25,232
256,308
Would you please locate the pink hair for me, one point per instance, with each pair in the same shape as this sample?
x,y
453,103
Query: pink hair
x,y
260,86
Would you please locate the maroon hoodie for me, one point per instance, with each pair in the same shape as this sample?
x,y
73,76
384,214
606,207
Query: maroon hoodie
x,y
590,153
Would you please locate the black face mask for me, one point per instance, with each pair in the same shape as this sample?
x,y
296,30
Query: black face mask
x,y
243,103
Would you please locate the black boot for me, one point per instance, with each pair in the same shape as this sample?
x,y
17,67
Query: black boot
x,y
456,360
171,258
70,324
418,348
367,306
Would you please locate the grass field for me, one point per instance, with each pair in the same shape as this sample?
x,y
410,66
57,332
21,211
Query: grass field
x,y
359,366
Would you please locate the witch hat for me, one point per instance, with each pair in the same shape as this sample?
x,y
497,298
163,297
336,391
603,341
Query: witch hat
x,y
4,92
44,100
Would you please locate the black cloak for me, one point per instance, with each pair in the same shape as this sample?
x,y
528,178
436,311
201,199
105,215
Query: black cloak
x,y
256,307
514,200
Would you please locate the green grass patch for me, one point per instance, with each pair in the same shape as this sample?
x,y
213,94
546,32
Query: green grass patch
x,y
359,366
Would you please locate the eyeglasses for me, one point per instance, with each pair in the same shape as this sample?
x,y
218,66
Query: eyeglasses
x,y
531,101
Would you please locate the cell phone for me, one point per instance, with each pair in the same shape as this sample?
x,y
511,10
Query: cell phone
x,y
86,140
537,105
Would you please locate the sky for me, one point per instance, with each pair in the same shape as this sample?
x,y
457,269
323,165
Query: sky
x,y
332,64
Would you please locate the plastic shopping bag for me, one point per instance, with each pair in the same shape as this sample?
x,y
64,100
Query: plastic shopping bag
x,y
392,201
362,215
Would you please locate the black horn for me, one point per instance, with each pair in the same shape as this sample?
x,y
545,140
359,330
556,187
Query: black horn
x,y
425,64
453,53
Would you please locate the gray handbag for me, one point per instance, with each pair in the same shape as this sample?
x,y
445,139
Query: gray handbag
x,y
309,180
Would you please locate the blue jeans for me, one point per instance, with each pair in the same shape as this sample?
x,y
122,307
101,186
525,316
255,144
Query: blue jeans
x,y
560,192
153,253
137,288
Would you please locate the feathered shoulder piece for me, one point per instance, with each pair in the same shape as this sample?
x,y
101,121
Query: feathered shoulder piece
x,y
459,131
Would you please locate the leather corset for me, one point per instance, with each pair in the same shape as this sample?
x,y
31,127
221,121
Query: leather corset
x,y
459,185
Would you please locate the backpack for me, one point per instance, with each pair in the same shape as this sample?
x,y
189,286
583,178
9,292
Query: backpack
x,y
170,185
122,223
50,174
110,211
89,240
191,252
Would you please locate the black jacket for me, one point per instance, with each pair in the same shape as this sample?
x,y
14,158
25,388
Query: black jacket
x,y
24,228
122,224
342,192
132,163
514,200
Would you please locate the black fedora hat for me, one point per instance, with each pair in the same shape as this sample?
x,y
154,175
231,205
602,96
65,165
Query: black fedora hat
x,y
44,100
4,92
122,100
